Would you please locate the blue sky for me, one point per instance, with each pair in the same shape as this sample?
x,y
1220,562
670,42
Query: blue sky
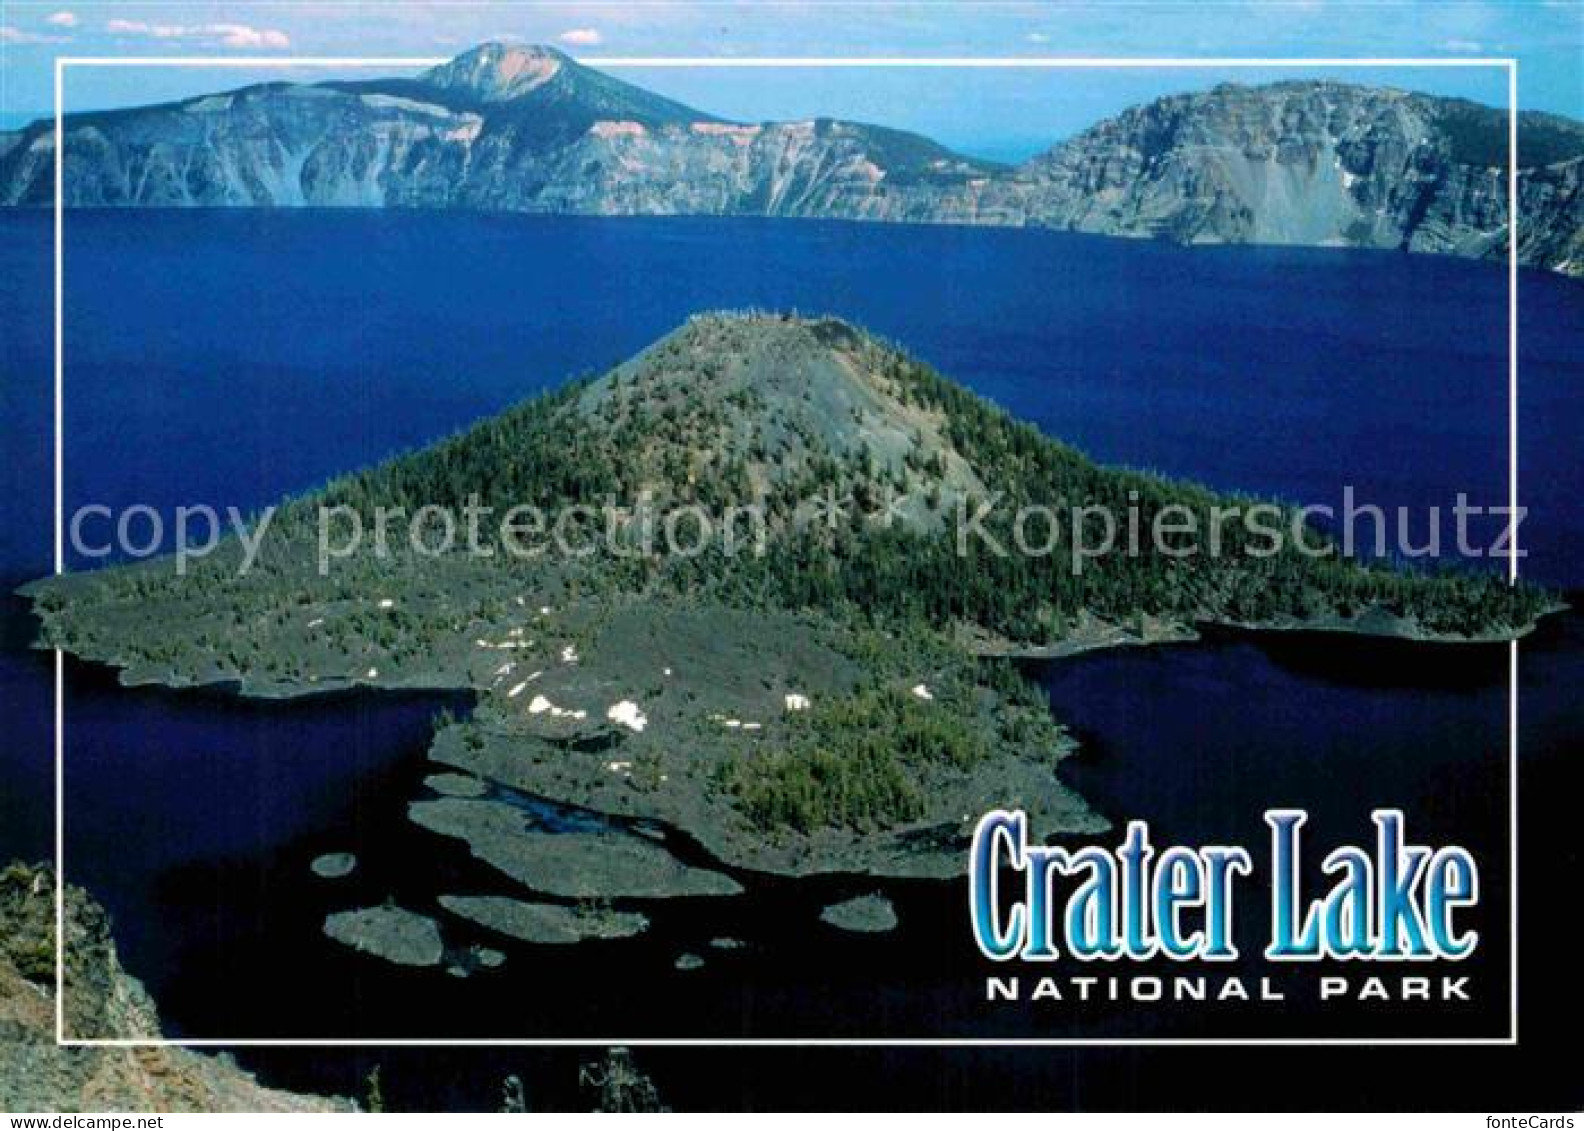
x,y
996,113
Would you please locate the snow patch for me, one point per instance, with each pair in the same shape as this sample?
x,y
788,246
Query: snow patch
x,y
609,129
393,102
725,129
542,706
627,714
214,104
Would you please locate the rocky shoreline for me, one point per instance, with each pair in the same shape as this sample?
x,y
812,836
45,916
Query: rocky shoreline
x,y
101,1000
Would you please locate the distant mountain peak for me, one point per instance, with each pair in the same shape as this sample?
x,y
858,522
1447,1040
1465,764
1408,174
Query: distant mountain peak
x,y
498,71
545,95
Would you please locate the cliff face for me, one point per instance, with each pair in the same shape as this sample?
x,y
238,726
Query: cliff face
x,y
1301,163
1315,163
1551,215
528,129
501,128
102,1001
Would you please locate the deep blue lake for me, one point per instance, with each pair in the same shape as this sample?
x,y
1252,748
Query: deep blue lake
x,y
232,358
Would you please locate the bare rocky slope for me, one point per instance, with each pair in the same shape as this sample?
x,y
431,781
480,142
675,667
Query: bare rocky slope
x,y
102,1000
528,129
1316,163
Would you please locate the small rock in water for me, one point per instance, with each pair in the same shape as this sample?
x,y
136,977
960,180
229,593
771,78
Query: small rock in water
x,y
724,943
392,933
688,962
868,913
474,959
334,865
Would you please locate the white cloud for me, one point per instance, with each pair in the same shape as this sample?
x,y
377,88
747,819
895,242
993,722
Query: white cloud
x,y
1037,37
1463,46
15,35
62,19
240,35
222,35
582,37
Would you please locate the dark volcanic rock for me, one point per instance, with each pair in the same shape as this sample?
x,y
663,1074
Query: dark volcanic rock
x,y
544,922
334,865
456,785
867,914
392,933
571,865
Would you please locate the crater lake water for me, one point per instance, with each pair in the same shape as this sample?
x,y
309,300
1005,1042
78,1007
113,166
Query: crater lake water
x,y
230,358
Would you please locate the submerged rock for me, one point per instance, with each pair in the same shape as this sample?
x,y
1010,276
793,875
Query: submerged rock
x,y
724,943
575,865
689,962
544,922
474,959
456,785
392,933
333,865
871,913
